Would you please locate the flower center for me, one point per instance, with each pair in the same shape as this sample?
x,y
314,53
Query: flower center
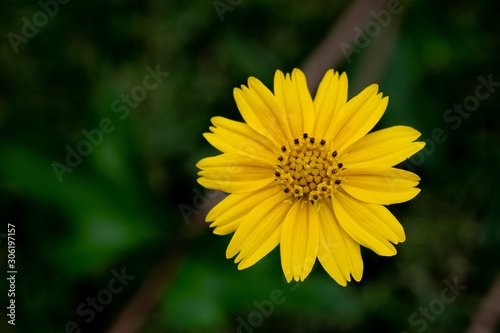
x,y
306,169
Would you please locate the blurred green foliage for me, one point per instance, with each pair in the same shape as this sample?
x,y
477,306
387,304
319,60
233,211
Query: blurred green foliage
x,y
119,207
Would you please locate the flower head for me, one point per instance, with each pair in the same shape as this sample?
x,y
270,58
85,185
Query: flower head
x,y
305,174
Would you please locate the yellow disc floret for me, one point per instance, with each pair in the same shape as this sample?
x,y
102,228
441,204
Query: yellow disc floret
x,y
306,169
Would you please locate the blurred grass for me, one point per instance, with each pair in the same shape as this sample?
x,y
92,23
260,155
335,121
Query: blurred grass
x,y
119,207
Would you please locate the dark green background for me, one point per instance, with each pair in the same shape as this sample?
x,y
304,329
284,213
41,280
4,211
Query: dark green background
x,y
119,208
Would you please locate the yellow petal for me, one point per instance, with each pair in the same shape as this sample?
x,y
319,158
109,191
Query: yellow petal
x,y
228,227
330,244
305,100
241,128
238,138
238,204
358,117
346,112
232,162
279,88
384,186
260,230
338,253
292,107
385,147
299,240
278,119
330,98
372,226
261,111
262,235
234,173
229,213
293,94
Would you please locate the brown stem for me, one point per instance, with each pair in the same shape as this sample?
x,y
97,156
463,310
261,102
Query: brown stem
x,y
328,54
140,306
486,318
154,287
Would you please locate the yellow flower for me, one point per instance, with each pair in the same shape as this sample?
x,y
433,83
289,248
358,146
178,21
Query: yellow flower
x,y
305,174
